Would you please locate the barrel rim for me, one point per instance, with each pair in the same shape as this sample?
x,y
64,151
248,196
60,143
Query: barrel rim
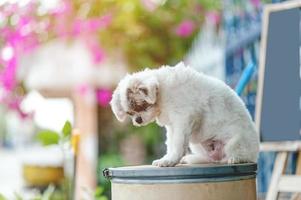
x,y
182,172
179,180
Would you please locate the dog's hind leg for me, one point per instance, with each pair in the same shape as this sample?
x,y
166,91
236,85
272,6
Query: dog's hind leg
x,y
235,152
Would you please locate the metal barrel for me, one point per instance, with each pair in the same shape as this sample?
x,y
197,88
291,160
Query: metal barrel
x,y
191,182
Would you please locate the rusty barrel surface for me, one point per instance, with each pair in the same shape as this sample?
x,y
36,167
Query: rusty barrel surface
x,y
191,182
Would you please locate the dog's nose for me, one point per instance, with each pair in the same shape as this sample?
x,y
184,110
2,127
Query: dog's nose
x,y
138,120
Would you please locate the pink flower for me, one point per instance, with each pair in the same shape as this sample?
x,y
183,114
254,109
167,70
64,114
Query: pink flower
x,y
104,21
98,54
10,9
214,17
29,43
103,97
90,25
8,76
77,27
185,28
13,102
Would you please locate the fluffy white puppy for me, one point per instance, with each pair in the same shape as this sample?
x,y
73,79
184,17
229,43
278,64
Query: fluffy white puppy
x,y
198,111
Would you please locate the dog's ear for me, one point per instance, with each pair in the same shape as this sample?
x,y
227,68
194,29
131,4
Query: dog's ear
x,y
116,106
149,89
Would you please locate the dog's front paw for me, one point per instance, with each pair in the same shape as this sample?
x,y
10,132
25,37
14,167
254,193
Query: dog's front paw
x,y
165,162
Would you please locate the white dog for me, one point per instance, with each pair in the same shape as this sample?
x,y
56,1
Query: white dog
x,y
198,111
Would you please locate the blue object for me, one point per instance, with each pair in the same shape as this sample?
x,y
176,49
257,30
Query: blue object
x,y
245,77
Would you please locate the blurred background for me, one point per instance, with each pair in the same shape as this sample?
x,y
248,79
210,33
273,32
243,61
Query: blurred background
x,y
60,60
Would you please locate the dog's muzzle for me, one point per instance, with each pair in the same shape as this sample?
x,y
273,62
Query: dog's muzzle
x,y
139,120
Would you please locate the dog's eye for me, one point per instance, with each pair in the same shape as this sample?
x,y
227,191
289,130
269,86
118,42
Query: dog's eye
x,y
144,90
130,113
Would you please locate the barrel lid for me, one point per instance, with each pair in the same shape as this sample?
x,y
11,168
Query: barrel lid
x,y
200,172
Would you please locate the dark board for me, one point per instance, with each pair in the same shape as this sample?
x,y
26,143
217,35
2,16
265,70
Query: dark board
x,y
280,114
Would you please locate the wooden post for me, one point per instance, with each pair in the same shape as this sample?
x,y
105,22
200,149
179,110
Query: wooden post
x,y
279,169
280,182
86,122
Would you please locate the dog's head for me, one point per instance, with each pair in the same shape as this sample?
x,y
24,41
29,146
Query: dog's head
x,y
136,96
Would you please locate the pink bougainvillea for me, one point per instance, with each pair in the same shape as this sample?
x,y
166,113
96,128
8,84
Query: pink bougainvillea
x,y
18,38
23,28
88,26
13,103
26,31
8,76
98,54
97,23
185,28
103,96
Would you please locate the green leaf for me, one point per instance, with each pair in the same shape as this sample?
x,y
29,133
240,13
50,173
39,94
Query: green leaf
x,y
48,137
2,197
98,192
47,194
102,198
67,129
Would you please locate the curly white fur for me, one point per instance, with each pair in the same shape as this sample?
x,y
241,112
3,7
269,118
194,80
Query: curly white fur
x,y
198,111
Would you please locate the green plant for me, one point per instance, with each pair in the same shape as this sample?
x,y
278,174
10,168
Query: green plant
x,y
147,37
110,154
51,193
107,160
17,197
152,136
99,194
2,197
49,137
